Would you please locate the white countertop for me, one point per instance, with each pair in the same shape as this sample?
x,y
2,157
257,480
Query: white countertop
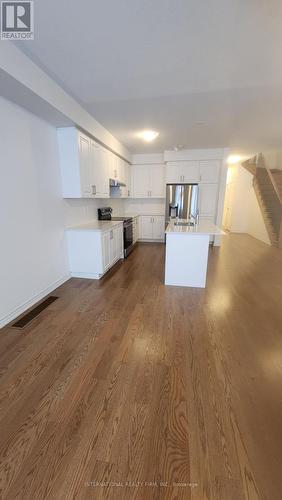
x,y
149,214
95,225
204,227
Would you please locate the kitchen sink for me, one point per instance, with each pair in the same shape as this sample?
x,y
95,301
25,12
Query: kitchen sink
x,y
184,224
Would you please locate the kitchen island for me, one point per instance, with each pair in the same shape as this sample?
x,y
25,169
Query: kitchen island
x,y
187,251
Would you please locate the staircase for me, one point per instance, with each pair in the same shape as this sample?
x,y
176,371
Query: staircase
x,y
277,176
268,188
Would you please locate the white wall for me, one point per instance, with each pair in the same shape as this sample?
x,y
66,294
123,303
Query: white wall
x,y
273,159
144,207
79,211
33,257
18,66
245,214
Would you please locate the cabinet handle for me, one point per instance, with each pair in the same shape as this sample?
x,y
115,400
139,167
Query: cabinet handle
x,y
111,235
93,189
128,193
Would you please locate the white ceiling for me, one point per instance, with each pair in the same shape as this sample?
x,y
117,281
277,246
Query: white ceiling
x,y
204,74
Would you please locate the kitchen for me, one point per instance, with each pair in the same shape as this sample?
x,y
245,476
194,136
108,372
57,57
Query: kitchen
x,y
91,171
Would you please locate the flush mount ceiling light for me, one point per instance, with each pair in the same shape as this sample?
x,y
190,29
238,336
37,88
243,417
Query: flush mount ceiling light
x,y
232,159
148,135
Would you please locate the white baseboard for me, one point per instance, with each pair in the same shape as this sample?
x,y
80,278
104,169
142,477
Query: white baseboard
x,y
30,302
90,276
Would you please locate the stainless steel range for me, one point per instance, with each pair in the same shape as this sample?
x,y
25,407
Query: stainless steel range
x,y
105,213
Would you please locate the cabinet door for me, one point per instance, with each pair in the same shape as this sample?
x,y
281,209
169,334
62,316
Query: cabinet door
x,y
86,171
157,181
190,171
106,250
209,171
141,181
113,246
146,227
118,235
158,227
126,189
99,171
208,199
173,172
135,229
104,187
112,168
121,169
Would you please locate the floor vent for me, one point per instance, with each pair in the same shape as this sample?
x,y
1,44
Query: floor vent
x,y
27,318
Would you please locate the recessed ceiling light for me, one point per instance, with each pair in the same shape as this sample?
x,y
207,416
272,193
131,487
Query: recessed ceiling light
x,y
148,135
232,159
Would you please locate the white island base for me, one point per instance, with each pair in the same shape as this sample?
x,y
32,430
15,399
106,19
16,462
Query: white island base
x,y
187,252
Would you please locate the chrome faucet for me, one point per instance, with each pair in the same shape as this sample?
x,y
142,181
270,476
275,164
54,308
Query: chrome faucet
x,y
195,217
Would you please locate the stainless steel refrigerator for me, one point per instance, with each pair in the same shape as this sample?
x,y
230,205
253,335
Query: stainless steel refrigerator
x,y
181,201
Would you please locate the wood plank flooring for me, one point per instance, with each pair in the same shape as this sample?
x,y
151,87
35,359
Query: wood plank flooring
x,y
126,389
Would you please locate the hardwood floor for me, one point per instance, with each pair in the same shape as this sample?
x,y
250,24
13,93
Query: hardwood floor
x,y
127,389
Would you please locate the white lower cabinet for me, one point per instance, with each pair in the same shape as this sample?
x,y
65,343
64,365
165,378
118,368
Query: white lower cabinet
x,y
106,250
152,227
146,232
92,253
158,228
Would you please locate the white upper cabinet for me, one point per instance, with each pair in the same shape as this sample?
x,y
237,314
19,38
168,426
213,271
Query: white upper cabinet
x,y
112,165
86,171
209,170
99,169
84,164
126,191
157,181
208,194
173,173
116,167
148,181
182,171
121,170
140,181
190,171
